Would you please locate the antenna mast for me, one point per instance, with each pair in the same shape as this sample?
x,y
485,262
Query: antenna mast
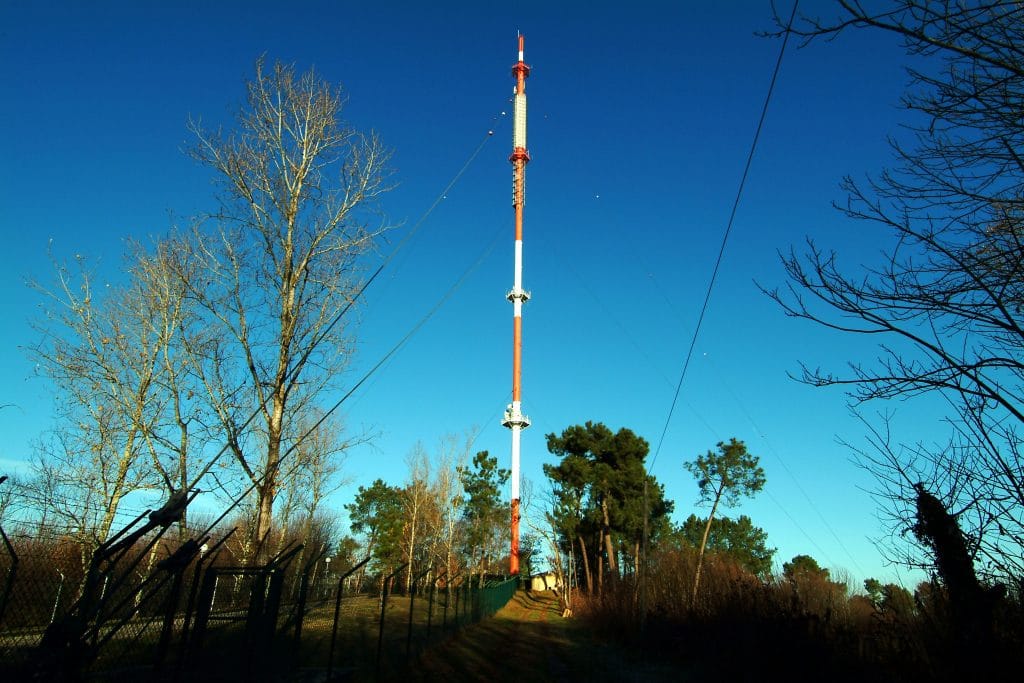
x,y
514,418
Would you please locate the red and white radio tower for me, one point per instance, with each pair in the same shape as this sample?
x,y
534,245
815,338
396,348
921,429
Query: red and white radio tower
x,y
514,418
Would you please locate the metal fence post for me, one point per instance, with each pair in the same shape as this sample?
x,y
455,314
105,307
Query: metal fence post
x,y
190,616
455,610
205,606
447,600
167,631
383,608
11,572
474,602
337,612
300,609
412,600
430,602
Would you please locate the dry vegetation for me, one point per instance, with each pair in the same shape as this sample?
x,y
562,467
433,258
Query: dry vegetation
x,y
743,628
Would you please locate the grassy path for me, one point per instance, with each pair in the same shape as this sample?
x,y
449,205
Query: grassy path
x,y
529,640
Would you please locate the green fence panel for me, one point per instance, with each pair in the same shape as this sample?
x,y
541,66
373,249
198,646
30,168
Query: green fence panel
x,y
494,596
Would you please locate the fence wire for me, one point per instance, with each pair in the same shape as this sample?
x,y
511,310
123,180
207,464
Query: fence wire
x,y
150,604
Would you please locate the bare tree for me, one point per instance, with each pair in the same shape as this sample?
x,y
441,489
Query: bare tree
x,y
279,262
103,358
946,304
181,427
448,493
418,498
549,531
9,486
311,474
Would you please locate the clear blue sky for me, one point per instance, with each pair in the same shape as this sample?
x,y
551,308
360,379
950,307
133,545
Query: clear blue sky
x,y
641,116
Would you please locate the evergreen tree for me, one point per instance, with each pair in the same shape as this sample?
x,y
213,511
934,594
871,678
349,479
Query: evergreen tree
x,y
739,539
378,514
485,515
599,496
723,477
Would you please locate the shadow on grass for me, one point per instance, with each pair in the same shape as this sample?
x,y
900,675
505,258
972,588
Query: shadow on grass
x,y
529,639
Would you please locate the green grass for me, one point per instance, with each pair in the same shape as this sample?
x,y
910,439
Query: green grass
x,y
227,653
355,646
530,640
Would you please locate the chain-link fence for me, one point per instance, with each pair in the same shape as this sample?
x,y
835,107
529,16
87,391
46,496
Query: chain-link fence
x,y
145,604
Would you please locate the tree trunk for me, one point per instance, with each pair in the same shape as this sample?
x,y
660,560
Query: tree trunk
x,y
636,573
700,553
268,487
120,483
586,565
412,549
264,519
182,471
607,533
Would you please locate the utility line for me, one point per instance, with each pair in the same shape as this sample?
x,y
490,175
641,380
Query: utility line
x,y
771,448
725,237
703,310
735,397
358,294
609,314
334,321
394,349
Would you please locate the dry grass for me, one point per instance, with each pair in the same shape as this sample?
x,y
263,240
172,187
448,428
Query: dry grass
x,y
744,629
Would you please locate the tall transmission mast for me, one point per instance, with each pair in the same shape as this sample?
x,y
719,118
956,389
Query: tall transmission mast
x,y
514,418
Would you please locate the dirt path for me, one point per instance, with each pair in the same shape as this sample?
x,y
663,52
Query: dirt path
x,y
529,640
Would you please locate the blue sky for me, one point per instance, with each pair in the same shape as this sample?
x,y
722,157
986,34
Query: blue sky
x,y
641,117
